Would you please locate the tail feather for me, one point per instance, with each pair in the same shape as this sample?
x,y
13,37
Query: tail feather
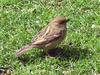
x,y
24,49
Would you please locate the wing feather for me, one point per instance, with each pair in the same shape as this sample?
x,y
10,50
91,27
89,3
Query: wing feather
x,y
46,35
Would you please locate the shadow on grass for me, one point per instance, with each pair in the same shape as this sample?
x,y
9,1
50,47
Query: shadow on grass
x,y
70,53
67,53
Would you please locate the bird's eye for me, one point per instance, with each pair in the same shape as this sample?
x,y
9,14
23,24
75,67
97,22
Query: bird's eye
x,y
61,22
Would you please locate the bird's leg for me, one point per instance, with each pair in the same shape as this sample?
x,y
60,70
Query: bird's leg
x,y
46,52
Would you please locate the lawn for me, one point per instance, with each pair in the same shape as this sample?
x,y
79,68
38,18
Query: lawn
x,y
20,20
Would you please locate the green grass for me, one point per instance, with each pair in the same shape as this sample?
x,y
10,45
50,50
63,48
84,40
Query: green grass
x,y
21,19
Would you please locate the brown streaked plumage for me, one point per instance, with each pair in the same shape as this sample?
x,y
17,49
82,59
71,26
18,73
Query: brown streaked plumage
x,y
48,37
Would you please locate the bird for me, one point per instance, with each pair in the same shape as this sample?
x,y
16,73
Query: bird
x,y
49,37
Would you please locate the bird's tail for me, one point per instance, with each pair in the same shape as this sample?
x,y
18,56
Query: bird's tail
x,y
24,49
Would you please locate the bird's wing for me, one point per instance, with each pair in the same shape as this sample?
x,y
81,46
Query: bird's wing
x,y
53,37
47,35
48,38
39,34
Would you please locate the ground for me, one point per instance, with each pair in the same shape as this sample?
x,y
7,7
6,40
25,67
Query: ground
x,y
20,20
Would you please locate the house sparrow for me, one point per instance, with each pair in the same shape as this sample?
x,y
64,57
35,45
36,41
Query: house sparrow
x,y
48,37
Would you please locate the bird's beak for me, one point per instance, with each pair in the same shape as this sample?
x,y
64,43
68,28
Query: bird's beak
x,y
67,20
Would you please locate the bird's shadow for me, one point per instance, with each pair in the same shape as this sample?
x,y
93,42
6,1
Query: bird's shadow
x,y
71,53
65,53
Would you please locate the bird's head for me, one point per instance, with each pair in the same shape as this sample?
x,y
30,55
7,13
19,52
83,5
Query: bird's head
x,y
59,21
